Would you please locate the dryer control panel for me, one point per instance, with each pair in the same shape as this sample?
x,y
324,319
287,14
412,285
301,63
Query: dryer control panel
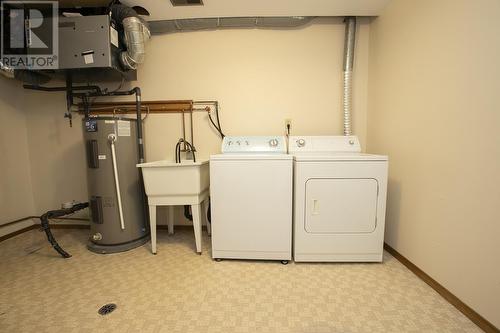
x,y
324,144
254,144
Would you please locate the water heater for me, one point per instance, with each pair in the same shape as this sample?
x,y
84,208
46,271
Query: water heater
x,y
116,201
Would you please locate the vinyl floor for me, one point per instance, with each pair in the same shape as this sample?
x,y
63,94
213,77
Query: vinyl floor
x,y
180,291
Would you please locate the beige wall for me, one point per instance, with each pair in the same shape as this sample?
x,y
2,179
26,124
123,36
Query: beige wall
x,y
16,198
434,108
56,150
260,77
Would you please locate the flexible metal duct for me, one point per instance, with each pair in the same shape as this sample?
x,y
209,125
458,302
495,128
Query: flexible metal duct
x,y
349,42
136,33
170,26
23,75
6,70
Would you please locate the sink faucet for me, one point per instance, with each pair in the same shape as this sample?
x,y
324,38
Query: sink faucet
x,y
190,151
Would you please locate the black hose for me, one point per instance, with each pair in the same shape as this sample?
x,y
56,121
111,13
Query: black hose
x,y
120,12
216,125
187,213
218,119
44,219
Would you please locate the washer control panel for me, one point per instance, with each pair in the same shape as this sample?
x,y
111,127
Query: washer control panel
x,y
254,144
324,144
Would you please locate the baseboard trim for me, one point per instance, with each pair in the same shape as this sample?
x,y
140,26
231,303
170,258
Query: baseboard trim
x,y
67,226
17,232
37,226
73,226
475,317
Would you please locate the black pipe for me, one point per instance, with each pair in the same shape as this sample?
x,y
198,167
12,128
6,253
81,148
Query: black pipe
x,y
69,96
138,111
44,219
71,89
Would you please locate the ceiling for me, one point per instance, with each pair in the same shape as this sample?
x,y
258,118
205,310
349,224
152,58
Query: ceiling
x,y
163,9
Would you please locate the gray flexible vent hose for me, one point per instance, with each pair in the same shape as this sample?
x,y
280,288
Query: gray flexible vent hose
x,y
136,36
349,42
26,76
6,70
136,33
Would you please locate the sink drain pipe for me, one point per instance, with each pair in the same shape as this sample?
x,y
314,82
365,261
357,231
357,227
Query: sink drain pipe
x,y
349,43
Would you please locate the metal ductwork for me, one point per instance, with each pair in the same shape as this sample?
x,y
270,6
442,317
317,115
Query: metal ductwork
x,y
6,70
349,43
23,75
136,33
171,26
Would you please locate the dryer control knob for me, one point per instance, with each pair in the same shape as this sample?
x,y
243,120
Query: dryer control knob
x,y
301,142
273,142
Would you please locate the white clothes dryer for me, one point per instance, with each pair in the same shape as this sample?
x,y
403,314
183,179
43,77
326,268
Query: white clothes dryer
x,y
339,200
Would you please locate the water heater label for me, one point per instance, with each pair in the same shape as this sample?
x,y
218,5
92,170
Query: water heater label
x,y
102,157
123,128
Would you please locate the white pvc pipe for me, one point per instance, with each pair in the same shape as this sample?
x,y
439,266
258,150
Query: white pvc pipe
x,y
112,139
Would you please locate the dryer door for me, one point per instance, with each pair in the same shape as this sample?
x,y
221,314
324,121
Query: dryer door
x,y
341,205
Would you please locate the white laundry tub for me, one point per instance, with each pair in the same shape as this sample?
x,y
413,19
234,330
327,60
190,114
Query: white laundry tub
x,y
171,184
170,179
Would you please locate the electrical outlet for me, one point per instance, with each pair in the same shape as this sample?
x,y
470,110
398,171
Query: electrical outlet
x,y
288,126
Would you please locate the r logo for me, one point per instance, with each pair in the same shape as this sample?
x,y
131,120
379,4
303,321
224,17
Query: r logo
x,y
29,34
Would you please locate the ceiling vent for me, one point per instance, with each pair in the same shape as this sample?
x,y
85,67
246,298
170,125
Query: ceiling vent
x,y
187,2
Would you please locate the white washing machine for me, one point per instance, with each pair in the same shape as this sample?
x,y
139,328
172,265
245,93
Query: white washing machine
x,y
339,200
251,199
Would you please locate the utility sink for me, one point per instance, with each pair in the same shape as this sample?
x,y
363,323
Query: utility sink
x,y
169,179
172,184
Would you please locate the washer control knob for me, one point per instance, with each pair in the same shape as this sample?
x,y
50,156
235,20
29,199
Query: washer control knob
x,y
301,142
239,143
229,143
273,142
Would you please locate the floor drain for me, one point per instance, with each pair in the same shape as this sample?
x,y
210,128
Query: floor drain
x,y
108,308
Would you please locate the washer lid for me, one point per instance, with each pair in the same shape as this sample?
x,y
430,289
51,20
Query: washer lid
x,y
242,157
311,157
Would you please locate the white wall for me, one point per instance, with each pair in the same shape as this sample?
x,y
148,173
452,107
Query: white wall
x,y
434,109
16,198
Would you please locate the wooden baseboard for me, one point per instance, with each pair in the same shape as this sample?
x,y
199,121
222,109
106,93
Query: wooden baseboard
x,y
67,226
18,232
71,226
475,317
